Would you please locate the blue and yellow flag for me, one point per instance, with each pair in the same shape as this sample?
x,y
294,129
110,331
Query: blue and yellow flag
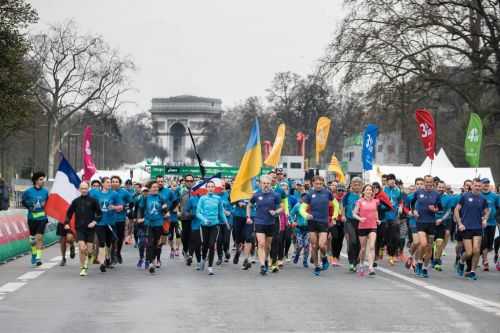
x,y
250,166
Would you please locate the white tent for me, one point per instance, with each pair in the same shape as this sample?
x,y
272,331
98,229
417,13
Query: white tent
x,y
441,167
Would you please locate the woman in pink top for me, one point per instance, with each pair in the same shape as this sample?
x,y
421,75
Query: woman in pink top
x,y
366,213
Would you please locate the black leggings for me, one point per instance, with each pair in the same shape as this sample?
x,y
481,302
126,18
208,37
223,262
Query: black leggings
x,y
186,235
154,234
195,244
380,242
277,242
392,236
120,233
223,240
287,241
351,229
337,232
209,239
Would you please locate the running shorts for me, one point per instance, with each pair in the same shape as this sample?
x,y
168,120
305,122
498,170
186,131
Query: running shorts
x,y
440,231
469,234
86,235
61,231
428,228
174,230
365,232
267,229
318,227
104,235
37,227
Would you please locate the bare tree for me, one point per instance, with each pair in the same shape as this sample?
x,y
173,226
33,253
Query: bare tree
x,y
77,72
452,44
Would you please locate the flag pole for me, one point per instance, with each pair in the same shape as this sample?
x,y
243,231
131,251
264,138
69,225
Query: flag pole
x,y
430,171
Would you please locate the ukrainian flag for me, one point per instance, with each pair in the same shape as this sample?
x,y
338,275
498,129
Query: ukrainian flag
x,y
250,166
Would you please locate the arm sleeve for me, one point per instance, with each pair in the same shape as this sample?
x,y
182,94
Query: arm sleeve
x,y
97,210
303,209
24,200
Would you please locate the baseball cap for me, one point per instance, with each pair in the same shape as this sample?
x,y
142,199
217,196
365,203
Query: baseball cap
x,y
485,181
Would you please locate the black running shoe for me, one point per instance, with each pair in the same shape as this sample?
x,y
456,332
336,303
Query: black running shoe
x,y
189,261
102,268
219,262
236,258
63,262
152,269
263,270
227,257
72,251
119,259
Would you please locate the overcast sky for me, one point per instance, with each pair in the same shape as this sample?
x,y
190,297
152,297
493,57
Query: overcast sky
x,y
229,49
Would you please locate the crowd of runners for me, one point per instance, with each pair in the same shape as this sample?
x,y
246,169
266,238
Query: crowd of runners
x,y
283,223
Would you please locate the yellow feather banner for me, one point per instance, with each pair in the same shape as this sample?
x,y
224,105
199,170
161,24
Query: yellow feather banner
x,y
275,155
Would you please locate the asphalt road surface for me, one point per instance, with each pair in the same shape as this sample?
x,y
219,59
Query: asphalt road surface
x,y
180,299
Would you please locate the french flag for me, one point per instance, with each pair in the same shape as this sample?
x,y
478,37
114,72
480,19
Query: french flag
x,y
64,190
201,187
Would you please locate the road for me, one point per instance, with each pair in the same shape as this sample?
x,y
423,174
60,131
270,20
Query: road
x,y
180,299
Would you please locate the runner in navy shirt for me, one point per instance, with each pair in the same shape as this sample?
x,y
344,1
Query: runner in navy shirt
x,y
471,214
318,202
427,203
267,203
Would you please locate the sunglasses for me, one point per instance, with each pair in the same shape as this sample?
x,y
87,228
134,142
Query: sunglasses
x,y
189,180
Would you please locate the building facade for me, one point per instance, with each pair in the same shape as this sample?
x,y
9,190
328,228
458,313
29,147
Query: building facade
x,y
171,118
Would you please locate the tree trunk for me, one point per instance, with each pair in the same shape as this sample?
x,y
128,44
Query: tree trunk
x,y
53,147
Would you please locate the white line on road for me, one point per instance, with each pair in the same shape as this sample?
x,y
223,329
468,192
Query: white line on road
x,y
10,287
56,259
31,275
478,303
47,265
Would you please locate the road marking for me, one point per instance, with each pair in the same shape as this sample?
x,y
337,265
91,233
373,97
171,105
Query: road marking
x,y
478,303
47,265
56,259
31,275
10,287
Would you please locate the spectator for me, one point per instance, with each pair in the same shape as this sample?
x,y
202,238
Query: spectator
x,y
4,195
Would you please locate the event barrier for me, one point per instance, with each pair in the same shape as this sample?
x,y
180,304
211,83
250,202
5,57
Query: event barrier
x,y
14,234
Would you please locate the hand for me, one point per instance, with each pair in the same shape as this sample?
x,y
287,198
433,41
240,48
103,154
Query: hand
x,y
92,224
118,208
485,223
334,222
461,227
343,219
379,222
415,214
227,213
249,220
433,208
272,212
362,219
439,221
309,217
67,227
140,221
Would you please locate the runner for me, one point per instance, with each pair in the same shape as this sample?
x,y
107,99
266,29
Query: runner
x,y
123,198
224,236
210,211
318,201
299,222
471,215
443,221
195,233
66,237
366,212
168,197
427,203
34,200
95,185
186,217
277,243
489,232
337,230
139,227
108,203
412,222
351,224
459,247
267,207
86,212
392,229
155,209
385,205
174,230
